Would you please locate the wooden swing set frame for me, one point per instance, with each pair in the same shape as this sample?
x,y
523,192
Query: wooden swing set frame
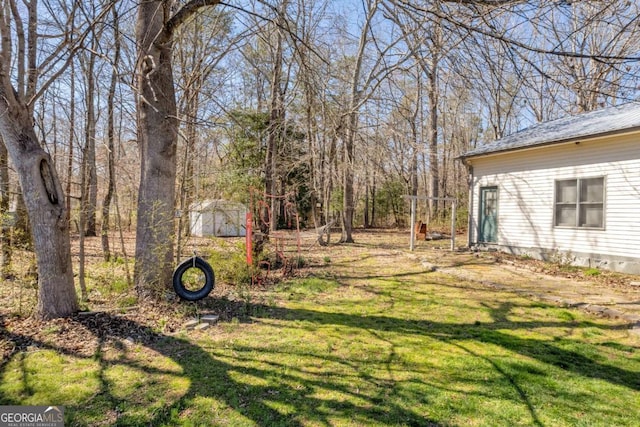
x,y
414,203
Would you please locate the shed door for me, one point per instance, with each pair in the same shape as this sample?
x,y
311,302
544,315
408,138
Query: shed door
x,y
488,229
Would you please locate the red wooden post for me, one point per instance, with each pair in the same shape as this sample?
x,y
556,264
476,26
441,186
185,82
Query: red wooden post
x,y
249,240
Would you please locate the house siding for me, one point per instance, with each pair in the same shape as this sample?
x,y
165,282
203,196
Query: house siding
x,y
526,182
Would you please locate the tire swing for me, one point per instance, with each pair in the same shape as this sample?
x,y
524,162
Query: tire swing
x,y
190,274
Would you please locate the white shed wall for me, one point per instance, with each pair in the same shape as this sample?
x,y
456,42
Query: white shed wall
x,y
218,218
526,182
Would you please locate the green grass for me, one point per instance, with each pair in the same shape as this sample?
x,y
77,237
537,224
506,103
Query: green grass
x,y
304,288
592,272
372,340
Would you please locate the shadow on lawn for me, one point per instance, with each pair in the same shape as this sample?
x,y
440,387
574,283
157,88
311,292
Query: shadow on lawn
x,y
211,376
546,352
455,334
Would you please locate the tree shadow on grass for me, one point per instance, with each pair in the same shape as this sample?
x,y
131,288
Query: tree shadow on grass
x,y
213,373
209,376
488,332
558,353
496,333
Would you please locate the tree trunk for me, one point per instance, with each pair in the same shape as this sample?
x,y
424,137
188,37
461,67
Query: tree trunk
x,y
187,185
332,170
22,227
366,220
415,139
46,205
348,165
275,130
157,139
5,229
157,142
82,224
90,179
72,134
355,101
106,203
434,171
374,191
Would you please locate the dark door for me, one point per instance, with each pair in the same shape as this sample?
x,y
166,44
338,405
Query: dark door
x,y
488,229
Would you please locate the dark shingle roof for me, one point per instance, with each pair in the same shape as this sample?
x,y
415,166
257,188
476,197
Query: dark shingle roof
x,y
610,120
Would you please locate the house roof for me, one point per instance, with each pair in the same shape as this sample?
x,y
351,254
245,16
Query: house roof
x,y
612,120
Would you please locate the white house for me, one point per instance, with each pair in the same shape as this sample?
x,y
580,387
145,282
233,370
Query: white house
x,y
220,218
565,190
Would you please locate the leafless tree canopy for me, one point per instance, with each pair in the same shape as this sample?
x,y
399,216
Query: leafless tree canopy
x,y
139,109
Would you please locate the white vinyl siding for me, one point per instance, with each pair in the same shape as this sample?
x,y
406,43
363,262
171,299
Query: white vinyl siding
x,y
527,181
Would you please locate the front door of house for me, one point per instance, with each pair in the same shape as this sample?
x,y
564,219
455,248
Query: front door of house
x,y
488,227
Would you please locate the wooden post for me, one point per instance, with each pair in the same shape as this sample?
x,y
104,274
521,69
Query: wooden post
x,y
413,224
248,239
453,225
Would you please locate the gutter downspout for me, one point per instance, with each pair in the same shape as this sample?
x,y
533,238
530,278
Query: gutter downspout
x,y
470,180
470,214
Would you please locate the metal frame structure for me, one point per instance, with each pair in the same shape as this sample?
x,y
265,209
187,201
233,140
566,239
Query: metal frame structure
x,y
414,202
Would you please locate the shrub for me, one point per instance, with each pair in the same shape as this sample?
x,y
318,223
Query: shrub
x,y
592,272
229,264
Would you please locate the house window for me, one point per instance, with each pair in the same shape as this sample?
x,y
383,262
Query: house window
x,y
580,203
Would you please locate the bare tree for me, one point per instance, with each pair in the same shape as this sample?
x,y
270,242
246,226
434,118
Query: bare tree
x,y
111,146
429,46
355,98
363,81
5,228
72,139
201,44
310,76
496,83
157,140
275,131
41,188
88,58
596,31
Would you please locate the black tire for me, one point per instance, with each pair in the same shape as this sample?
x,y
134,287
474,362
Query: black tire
x,y
209,279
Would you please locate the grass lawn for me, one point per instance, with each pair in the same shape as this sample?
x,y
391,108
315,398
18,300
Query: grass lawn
x,y
367,337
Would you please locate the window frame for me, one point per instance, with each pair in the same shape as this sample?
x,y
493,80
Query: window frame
x,y
579,203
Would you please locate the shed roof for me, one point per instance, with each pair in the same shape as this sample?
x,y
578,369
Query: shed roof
x,y
218,204
612,120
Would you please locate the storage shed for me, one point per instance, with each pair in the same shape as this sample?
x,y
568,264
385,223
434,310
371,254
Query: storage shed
x,y
220,218
566,190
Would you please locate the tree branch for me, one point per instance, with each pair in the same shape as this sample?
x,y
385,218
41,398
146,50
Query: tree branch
x,y
185,12
408,4
487,2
